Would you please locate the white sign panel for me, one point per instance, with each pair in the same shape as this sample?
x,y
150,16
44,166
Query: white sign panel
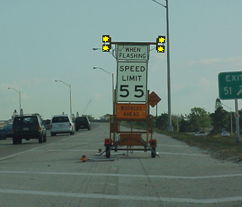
x,y
131,82
132,52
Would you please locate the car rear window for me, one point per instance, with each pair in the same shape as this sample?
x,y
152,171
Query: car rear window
x,y
60,119
19,121
81,118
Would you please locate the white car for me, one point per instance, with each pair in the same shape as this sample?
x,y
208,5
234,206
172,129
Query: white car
x,y
225,134
61,124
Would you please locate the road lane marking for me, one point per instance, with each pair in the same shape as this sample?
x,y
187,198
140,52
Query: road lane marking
x,y
184,154
33,149
80,143
124,175
123,197
82,150
166,145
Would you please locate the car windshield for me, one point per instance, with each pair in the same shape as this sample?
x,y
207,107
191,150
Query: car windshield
x,y
60,119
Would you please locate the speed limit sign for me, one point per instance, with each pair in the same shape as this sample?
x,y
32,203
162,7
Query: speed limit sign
x,y
131,81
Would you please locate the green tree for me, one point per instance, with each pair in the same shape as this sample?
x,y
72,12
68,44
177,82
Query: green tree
x,y
184,125
90,117
199,118
220,120
106,117
161,122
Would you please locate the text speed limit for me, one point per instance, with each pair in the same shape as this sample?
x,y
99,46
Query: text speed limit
x,y
131,81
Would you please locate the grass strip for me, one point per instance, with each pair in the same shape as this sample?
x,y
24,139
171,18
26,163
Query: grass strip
x,y
223,148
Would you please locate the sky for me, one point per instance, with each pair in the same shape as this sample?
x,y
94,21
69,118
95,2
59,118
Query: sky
x,y
43,41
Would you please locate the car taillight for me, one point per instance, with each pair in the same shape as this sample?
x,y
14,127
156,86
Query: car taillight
x,y
38,128
70,124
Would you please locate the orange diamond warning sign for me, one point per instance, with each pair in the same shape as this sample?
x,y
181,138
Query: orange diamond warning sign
x,y
153,99
131,111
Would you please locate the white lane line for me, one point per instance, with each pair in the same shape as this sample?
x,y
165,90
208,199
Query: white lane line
x,y
33,149
77,144
19,153
166,145
123,197
82,150
125,175
184,154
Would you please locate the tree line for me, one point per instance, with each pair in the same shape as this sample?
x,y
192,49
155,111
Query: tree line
x,y
197,120
200,120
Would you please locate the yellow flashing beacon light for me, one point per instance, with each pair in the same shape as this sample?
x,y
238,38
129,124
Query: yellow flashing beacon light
x,y
106,39
160,41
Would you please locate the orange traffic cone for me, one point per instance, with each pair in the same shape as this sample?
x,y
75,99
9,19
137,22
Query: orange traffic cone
x,y
83,159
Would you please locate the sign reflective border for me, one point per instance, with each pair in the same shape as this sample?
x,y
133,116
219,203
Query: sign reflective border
x,y
131,111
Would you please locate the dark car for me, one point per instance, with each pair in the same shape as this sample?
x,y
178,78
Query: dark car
x,y
46,123
6,132
82,123
28,127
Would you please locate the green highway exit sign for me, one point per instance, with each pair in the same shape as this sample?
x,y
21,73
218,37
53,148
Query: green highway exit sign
x,y
230,85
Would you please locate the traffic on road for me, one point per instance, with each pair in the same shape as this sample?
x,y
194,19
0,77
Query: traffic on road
x,y
53,174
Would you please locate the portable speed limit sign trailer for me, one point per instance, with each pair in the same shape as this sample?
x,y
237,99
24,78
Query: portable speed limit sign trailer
x,y
131,98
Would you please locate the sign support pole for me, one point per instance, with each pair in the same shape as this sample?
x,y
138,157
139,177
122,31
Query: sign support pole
x,y
237,121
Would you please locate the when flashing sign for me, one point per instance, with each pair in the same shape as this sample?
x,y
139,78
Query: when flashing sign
x,y
132,52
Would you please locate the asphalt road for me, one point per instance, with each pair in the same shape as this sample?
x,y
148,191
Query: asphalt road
x,y
51,174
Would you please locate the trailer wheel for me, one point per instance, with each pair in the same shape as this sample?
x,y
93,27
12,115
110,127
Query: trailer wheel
x,y
153,152
108,152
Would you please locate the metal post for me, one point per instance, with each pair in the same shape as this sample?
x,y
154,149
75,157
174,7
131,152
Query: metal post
x,y
231,123
237,121
70,101
19,102
19,94
177,123
113,94
111,74
231,120
170,128
69,85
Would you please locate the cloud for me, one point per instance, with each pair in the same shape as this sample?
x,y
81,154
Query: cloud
x,y
237,61
206,85
159,60
216,62
24,83
97,96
